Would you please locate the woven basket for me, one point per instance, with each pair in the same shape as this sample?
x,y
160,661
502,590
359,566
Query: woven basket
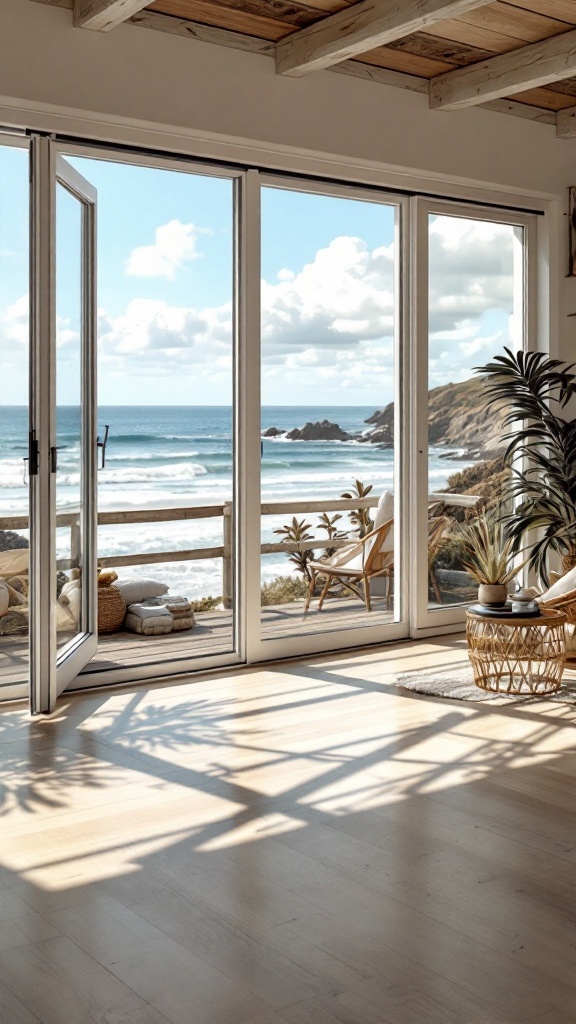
x,y
111,609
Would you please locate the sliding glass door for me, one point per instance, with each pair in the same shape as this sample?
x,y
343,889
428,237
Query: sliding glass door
x,y
331,419
471,303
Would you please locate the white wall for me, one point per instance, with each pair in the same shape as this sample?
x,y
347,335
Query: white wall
x,y
152,76
139,74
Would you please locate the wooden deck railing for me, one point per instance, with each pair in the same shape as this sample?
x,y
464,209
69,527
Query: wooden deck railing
x,y
220,511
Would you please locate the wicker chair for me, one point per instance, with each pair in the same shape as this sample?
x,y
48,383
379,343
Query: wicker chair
x,y
355,566
566,603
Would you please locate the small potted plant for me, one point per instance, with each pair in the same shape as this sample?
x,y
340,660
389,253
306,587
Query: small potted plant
x,y
488,558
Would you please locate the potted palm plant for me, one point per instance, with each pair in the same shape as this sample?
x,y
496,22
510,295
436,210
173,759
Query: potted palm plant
x,y
535,390
489,558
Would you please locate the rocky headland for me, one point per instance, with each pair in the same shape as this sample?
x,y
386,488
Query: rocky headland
x,y
458,419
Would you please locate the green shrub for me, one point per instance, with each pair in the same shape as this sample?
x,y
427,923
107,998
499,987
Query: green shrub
x,y
284,589
452,554
206,604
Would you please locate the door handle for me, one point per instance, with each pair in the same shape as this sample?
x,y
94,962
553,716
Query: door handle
x,y
54,456
32,457
102,444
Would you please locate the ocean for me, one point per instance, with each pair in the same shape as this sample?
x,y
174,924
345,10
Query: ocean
x,y
166,456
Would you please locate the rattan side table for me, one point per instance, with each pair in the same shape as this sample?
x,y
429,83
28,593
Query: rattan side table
x,y
517,654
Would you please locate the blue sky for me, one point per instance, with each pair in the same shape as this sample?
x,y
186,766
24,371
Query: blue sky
x,y
165,280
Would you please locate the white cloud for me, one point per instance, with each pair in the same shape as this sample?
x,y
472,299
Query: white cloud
x,y
14,321
343,297
175,245
328,324
152,337
471,264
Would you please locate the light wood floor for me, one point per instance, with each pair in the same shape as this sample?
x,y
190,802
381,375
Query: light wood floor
x,y
298,844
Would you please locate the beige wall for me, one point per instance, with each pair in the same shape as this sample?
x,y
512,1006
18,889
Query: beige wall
x,y
140,74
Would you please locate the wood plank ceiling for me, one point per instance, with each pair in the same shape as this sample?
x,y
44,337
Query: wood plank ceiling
x,y
475,36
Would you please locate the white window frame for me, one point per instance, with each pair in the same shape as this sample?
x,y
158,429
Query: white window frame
x,y
301,642
427,620
178,146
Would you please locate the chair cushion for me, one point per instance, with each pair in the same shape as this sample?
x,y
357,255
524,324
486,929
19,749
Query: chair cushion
x,y
355,564
562,586
346,556
384,512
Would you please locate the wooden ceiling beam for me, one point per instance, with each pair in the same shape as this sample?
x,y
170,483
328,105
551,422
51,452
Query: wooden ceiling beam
x,y
102,15
527,68
360,28
566,123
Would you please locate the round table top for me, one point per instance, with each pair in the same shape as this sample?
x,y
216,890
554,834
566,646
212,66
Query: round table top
x,y
548,616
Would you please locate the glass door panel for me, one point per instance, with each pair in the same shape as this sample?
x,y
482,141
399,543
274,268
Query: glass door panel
x,y
166,340
14,365
474,308
63,435
68,582
330,458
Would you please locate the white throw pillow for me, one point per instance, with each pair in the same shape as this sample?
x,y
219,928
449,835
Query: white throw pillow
x,y
135,589
384,512
562,586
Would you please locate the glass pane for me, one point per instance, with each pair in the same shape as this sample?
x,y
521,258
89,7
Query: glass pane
x,y
14,356
476,283
328,385
68,415
165,389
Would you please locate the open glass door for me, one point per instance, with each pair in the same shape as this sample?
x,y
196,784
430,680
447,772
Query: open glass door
x,y
62,455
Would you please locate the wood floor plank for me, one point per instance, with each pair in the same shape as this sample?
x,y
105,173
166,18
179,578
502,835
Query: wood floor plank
x,y
105,929
246,958
174,980
59,983
12,1011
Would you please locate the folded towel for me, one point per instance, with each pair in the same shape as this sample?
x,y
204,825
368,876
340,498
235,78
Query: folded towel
x,y
175,605
183,622
181,613
144,610
150,625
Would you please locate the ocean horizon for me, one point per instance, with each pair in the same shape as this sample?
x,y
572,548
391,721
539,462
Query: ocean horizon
x,y
169,456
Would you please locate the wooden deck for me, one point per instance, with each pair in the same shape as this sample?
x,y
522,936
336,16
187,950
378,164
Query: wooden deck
x,y
212,634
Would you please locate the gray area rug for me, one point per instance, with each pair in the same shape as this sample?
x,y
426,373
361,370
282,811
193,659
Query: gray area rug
x,y
458,684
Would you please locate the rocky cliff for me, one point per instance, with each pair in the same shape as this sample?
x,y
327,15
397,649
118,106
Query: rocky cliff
x,y
458,418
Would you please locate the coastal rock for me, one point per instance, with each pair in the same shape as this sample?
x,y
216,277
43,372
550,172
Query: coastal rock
x,y
458,417
320,431
383,435
486,479
273,432
10,541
